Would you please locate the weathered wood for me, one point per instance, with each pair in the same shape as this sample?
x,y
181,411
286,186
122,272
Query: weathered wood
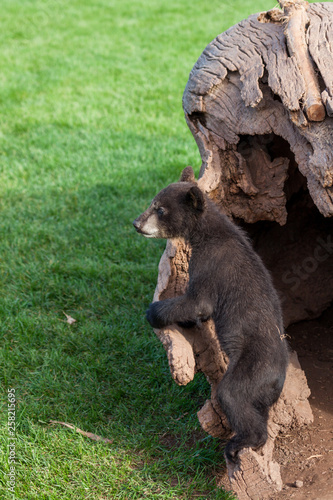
x,y
245,83
254,103
295,33
258,149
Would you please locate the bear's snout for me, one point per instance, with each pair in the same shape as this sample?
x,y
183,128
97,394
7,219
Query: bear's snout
x,y
137,224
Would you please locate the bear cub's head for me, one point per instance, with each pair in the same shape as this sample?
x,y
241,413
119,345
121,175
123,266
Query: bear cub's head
x,y
174,211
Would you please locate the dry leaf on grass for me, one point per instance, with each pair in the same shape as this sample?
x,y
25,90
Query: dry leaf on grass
x,y
70,320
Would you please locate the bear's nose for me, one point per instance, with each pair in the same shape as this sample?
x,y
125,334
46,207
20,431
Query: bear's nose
x,y
136,224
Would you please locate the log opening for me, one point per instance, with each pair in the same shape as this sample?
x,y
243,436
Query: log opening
x,y
299,253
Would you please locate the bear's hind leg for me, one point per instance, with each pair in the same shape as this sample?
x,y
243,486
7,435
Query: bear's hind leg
x,y
254,438
249,423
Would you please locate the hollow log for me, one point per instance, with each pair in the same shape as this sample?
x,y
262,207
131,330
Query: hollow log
x,y
259,103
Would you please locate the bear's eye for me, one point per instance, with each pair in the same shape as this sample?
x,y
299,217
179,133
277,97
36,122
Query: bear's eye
x,y
160,211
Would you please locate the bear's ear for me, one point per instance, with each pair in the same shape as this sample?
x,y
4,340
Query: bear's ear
x,y
187,175
195,199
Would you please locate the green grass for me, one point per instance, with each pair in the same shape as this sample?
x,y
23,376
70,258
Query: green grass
x,y
91,127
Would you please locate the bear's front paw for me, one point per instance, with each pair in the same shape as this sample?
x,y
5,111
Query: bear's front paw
x,y
153,317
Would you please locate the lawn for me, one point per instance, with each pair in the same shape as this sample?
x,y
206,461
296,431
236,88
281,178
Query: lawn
x,y
91,128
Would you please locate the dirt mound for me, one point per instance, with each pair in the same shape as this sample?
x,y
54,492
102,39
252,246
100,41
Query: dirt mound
x,y
306,455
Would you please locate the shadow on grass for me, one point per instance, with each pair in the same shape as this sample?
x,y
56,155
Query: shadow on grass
x,y
76,253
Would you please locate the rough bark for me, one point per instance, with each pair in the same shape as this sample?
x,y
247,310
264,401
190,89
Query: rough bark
x,y
295,33
259,103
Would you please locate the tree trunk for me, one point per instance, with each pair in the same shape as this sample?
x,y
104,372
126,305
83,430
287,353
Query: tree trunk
x,y
259,102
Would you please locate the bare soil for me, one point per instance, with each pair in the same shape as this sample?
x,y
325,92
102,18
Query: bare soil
x,y
306,454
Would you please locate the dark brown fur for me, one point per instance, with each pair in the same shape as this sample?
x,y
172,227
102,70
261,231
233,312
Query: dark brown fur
x,y
229,283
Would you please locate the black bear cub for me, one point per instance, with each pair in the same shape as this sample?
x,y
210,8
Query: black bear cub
x,y
229,283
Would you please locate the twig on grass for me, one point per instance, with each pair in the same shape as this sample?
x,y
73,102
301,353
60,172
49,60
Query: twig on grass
x,y
89,435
